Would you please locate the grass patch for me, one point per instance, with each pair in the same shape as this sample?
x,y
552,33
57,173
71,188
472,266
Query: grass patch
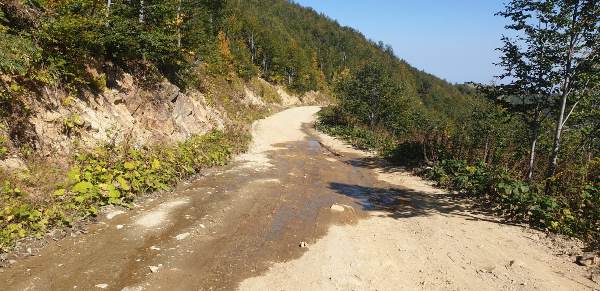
x,y
265,91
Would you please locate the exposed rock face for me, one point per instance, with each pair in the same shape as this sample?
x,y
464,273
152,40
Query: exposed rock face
x,y
252,98
127,114
287,99
13,165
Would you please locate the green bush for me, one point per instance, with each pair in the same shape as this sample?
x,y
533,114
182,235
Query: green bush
x,y
520,200
18,54
360,137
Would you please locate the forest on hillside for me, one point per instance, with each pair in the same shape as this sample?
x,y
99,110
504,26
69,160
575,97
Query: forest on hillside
x,y
84,46
53,43
528,147
81,49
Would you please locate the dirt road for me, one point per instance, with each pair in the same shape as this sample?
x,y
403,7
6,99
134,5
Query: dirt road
x,y
242,226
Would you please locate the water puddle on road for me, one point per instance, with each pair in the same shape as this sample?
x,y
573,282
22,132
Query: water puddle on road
x,y
314,146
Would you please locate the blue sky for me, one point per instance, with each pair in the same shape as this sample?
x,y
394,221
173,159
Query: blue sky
x,y
452,39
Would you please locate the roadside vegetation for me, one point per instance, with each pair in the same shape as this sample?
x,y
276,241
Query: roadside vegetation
x,y
109,175
528,147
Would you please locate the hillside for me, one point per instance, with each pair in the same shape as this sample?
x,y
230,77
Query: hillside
x,y
69,45
87,88
286,39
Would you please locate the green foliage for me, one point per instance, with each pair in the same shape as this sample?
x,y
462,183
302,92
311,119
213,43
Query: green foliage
x,y
515,199
111,176
277,40
360,137
3,146
19,218
371,96
519,200
18,56
265,91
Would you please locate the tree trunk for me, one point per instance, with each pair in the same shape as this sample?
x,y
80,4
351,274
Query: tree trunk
x,y
425,151
265,66
557,137
566,87
141,16
487,149
252,47
587,165
372,120
178,23
108,4
532,150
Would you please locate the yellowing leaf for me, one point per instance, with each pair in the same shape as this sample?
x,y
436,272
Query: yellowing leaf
x,y
129,165
60,192
79,199
123,183
155,164
82,187
73,175
114,193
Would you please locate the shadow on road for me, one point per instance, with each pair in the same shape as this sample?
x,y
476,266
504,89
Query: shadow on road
x,y
398,203
401,202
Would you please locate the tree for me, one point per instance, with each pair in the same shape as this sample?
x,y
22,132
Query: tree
x,y
576,40
525,62
318,78
527,93
371,95
226,56
550,63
